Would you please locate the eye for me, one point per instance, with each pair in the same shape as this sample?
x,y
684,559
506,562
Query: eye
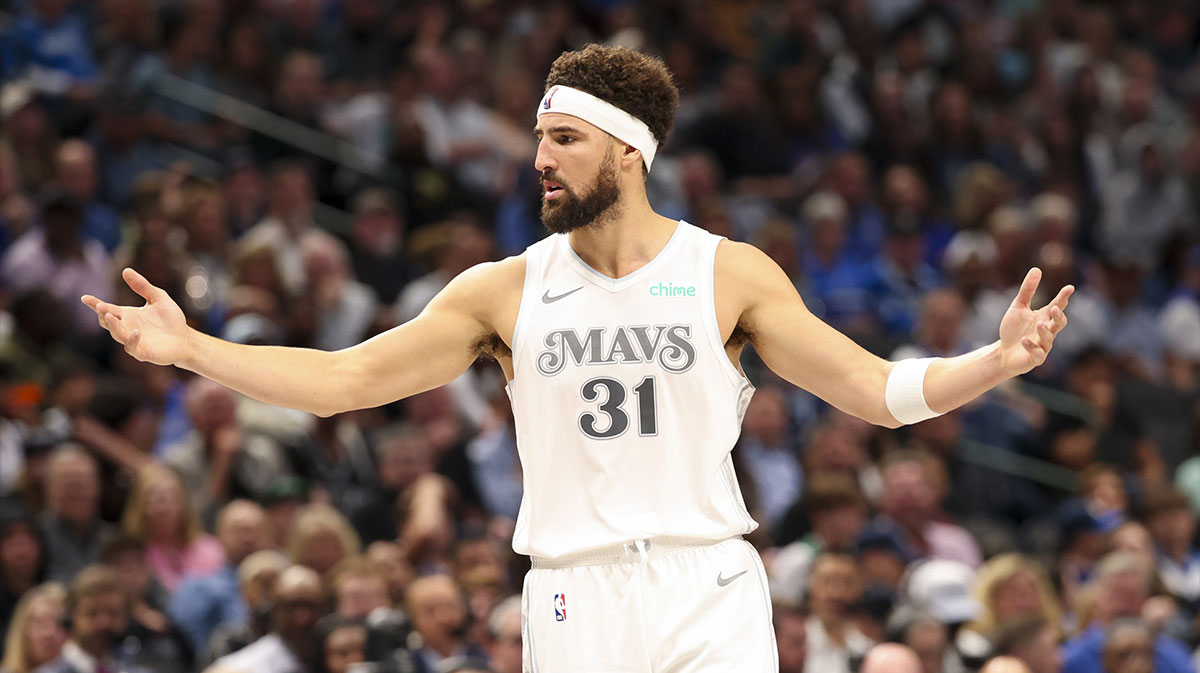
x,y
566,140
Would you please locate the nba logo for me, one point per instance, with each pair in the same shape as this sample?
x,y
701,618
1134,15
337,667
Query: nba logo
x,y
546,103
560,607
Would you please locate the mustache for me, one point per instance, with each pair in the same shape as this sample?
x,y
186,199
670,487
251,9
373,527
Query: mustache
x,y
552,177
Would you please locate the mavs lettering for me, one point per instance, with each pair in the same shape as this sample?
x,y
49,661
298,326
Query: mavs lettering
x,y
668,345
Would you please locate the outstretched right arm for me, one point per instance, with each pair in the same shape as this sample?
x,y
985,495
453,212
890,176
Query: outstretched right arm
x,y
424,353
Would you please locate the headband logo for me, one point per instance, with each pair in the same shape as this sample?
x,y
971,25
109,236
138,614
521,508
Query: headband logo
x,y
546,105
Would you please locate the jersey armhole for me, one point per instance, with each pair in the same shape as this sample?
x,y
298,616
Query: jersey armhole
x,y
533,270
708,281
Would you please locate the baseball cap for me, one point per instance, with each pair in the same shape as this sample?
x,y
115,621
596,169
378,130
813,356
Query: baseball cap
x,y
1074,517
942,588
887,536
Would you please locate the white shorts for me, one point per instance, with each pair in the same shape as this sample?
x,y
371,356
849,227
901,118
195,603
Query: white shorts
x,y
663,605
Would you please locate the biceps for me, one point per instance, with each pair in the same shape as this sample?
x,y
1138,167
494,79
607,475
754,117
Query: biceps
x,y
424,353
810,354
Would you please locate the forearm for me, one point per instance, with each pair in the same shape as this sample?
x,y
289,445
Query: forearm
x,y
952,382
297,378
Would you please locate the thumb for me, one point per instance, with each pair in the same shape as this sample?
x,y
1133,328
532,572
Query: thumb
x,y
138,283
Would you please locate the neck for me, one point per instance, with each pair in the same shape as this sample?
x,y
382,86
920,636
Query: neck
x,y
625,242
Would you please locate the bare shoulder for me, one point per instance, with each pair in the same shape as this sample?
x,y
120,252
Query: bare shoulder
x,y
744,270
490,293
483,285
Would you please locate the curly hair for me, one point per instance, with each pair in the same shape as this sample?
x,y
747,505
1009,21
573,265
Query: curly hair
x,y
634,82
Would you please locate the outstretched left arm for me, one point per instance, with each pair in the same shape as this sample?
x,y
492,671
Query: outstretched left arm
x,y
812,355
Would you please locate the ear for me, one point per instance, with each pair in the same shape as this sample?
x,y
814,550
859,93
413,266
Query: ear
x,y
631,156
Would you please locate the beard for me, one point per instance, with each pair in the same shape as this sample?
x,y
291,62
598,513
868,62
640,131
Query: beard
x,y
572,211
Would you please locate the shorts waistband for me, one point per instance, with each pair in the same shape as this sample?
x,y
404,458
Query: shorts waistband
x,y
644,549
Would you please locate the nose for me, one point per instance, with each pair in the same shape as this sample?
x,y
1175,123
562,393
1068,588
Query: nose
x,y
545,157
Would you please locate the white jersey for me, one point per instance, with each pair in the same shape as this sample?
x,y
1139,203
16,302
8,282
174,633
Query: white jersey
x,y
626,404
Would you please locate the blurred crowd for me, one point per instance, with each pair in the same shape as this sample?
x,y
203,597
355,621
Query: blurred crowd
x,y
312,172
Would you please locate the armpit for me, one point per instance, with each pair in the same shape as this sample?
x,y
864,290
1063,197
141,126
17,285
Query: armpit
x,y
740,337
491,346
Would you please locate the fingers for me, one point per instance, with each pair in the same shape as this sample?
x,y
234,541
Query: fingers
x,y
138,283
1035,350
1028,287
1058,318
1063,297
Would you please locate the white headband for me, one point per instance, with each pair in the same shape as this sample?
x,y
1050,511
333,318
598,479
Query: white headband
x,y
603,115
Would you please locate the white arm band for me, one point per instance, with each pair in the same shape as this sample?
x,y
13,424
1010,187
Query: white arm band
x,y
905,393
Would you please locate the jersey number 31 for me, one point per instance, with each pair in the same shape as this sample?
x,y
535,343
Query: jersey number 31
x,y
614,395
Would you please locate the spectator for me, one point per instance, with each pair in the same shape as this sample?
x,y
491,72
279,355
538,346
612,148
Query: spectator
x,y
1005,665
834,643
1011,587
1129,647
909,501
790,636
35,635
359,588
76,175
71,523
376,244
58,258
1033,640
158,513
1173,526
770,455
891,658
204,602
389,558
504,636
1122,584
926,636
298,603
436,606
342,642
837,510
320,537
345,306
50,48
288,221
256,577
23,560
151,641
221,458
99,615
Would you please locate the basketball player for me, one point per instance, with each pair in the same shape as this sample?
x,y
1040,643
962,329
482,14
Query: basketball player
x,y
620,337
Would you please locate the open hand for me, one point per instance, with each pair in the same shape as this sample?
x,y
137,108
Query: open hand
x,y
156,332
1026,335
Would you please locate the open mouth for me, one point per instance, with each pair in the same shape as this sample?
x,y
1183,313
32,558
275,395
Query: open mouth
x,y
551,189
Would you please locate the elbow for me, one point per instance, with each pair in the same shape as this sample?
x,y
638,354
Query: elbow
x,y
888,422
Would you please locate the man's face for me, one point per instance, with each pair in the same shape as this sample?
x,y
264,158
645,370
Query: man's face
x,y
1043,653
297,609
505,652
580,182
1129,652
792,641
344,647
359,596
98,621
241,533
835,588
74,491
437,610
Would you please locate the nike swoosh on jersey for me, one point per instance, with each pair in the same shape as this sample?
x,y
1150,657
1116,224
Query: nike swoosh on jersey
x,y
547,299
722,581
